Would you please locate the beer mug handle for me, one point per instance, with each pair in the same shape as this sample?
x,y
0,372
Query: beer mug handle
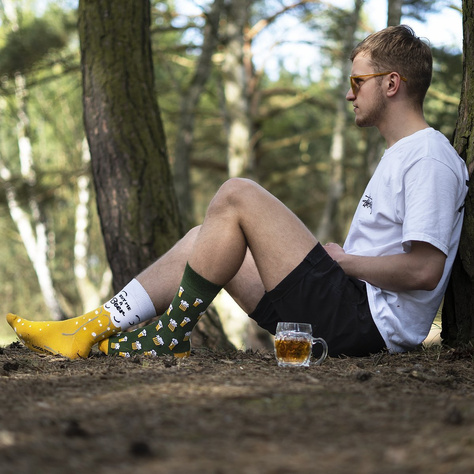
x,y
325,349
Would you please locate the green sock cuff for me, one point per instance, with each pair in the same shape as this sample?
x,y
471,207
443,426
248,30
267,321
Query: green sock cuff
x,y
199,283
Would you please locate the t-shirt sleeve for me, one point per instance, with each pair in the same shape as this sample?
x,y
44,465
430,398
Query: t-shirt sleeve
x,y
432,193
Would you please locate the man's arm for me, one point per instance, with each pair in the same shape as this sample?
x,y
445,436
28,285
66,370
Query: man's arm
x,y
420,269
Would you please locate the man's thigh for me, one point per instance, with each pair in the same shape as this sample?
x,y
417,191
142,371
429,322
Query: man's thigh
x,y
276,237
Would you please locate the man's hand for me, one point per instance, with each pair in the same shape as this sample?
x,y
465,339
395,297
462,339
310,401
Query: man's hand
x,y
335,251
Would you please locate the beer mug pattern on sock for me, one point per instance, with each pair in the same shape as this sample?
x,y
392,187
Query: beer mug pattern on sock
x,y
170,335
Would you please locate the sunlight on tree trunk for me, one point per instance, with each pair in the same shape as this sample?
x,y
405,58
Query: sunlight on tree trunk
x,y
35,242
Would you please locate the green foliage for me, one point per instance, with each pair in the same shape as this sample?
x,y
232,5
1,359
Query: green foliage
x,y
292,155
418,9
26,47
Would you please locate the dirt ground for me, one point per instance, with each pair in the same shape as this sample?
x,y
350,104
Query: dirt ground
x,y
237,412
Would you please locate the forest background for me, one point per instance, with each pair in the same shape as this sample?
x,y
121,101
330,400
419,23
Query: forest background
x,y
298,138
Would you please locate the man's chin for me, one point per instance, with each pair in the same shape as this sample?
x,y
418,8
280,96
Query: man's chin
x,y
363,123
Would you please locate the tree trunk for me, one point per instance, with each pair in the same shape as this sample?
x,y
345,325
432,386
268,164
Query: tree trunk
x,y
458,309
189,102
394,13
210,333
135,195
235,80
330,227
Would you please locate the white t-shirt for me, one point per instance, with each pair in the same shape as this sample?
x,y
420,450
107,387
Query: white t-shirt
x,y
416,193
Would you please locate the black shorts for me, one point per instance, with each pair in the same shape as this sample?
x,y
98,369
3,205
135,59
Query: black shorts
x,y
318,292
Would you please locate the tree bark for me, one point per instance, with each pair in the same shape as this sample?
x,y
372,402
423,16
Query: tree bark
x,y
458,309
394,12
330,227
235,81
135,195
189,102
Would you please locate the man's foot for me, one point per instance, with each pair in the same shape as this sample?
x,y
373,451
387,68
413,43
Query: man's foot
x,y
72,338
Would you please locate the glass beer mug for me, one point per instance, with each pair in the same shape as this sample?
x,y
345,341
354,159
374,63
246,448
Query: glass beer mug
x,y
294,343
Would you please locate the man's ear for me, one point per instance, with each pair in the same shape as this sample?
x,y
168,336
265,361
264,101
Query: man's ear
x,y
393,83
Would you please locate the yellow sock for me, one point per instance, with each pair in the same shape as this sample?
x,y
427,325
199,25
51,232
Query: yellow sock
x,y
72,338
75,337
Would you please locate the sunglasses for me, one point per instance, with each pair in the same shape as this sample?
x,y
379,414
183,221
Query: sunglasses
x,y
357,81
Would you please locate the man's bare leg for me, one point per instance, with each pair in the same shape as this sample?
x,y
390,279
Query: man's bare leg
x,y
161,278
249,241
244,216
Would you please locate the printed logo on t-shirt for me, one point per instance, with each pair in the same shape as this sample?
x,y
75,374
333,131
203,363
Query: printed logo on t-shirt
x,y
367,202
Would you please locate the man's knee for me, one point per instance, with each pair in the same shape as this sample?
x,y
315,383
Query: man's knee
x,y
186,244
192,233
235,192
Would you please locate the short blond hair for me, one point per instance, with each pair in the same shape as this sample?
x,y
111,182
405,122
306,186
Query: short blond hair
x,y
398,49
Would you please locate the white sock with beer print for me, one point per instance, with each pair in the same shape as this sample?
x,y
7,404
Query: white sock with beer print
x,y
171,334
74,338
